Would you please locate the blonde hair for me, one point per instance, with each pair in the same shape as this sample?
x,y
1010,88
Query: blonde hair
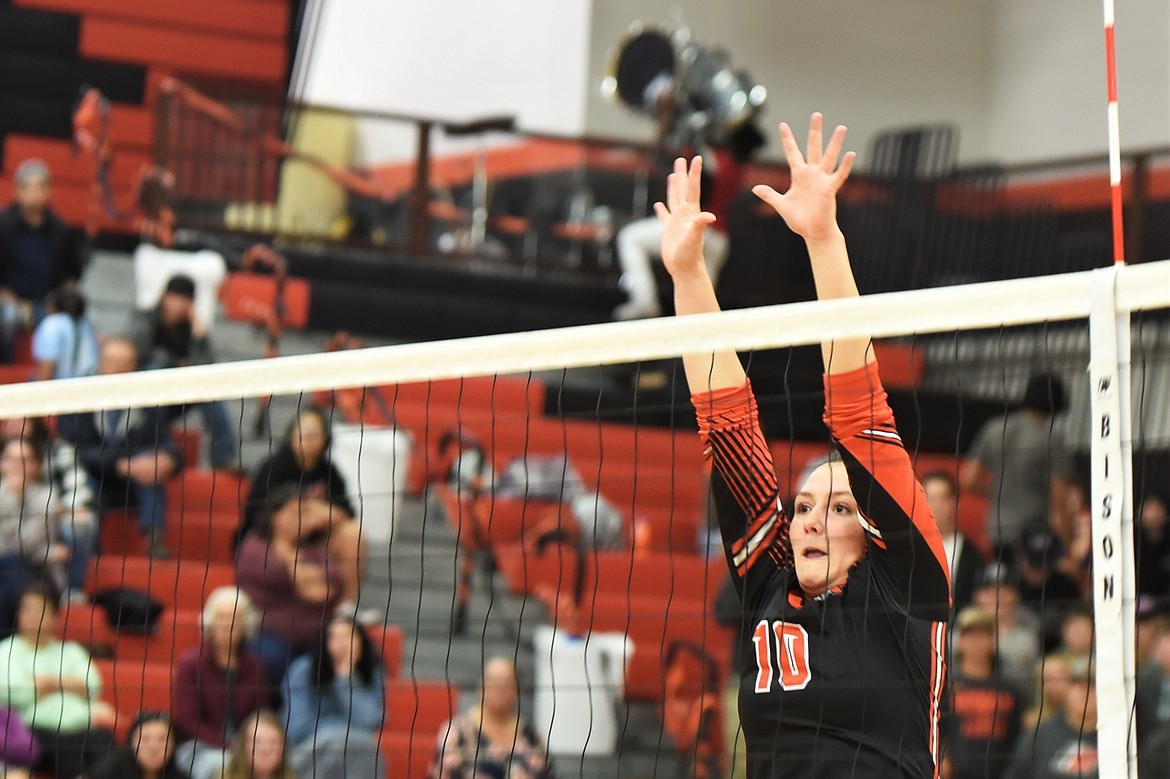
x,y
239,600
239,766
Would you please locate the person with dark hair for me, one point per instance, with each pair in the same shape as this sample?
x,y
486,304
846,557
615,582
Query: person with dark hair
x,y
219,683
1021,463
984,717
55,689
1152,547
1017,629
828,690
303,462
171,335
65,344
149,752
128,453
259,750
334,703
964,558
491,739
30,521
284,566
38,253
68,481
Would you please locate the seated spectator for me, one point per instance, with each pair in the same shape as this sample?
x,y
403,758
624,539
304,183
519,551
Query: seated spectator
x,y
19,750
1017,629
1152,548
258,751
1021,464
1076,631
1153,690
171,336
1064,746
67,480
38,253
334,702
65,344
218,684
303,461
491,739
1052,681
149,752
54,687
985,710
285,568
1049,583
30,517
128,453
964,558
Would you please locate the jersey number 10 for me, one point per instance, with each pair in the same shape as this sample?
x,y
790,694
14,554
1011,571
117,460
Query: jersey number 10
x,y
791,652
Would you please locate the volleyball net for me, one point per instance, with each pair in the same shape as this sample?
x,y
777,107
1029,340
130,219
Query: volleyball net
x,y
543,497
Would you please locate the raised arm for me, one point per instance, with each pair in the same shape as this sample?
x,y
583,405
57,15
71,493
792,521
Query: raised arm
x,y
809,207
682,254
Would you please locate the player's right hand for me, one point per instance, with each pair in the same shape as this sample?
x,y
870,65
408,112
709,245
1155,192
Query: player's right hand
x,y
683,220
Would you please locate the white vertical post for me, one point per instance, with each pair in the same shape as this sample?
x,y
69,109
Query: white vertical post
x,y
1113,565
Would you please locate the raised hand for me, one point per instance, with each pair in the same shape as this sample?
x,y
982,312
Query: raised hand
x,y
809,207
683,220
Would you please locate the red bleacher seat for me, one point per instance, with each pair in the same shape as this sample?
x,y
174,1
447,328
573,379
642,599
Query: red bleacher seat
x,y
174,583
388,639
131,686
218,491
250,297
407,756
418,707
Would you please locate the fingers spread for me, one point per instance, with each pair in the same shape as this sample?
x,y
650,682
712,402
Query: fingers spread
x,y
693,180
846,166
767,194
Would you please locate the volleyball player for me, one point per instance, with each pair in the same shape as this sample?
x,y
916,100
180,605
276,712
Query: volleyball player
x,y
846,599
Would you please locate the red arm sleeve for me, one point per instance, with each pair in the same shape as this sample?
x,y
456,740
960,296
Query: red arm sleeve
x,y
751,518
903,536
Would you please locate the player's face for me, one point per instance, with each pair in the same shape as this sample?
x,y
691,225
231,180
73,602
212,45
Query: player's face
x,y
826,534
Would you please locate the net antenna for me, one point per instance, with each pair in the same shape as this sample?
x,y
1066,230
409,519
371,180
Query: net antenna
x,y
1114,574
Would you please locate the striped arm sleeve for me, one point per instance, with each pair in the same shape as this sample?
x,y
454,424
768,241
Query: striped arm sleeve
x,y
751,517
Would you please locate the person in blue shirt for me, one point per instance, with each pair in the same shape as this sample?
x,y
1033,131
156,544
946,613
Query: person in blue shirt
x,y
334,703
65,344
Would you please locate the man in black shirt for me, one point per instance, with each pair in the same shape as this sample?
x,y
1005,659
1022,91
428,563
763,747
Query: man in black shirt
x,y
38,253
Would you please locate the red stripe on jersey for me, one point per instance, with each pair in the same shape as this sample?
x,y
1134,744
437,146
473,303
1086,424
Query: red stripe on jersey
x,y
938,633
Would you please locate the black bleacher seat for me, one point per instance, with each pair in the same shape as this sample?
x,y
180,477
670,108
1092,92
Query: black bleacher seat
x,y
38,32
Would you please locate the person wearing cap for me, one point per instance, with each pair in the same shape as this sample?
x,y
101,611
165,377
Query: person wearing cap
x,y
38,253
984,719
171,335
1019,461
1063,747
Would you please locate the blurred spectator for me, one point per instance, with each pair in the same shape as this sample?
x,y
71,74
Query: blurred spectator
x,y
729,613
65,344
1154,755
1152,548
67,480
128,453
1017,630
1151,622
303,461
218,684
54,687
985,710
283,564
334,702
1153,690
964,558
1076,632
171,336
491,739
38,253
1020,462
1052,674
1063,747
1046,587
258,751
30,518
149,752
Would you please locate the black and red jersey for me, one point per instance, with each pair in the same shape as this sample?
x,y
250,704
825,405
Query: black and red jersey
x,y
847,684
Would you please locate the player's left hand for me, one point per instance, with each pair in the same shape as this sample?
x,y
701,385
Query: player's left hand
x,y
682,219
809,207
